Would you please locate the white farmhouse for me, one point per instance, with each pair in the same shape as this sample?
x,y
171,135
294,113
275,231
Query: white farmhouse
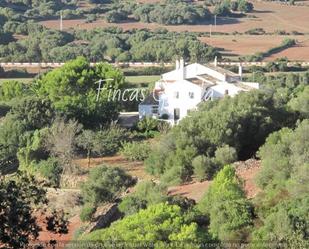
x,y
181,90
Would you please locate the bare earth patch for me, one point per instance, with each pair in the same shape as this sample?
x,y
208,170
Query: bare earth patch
x,y
46,236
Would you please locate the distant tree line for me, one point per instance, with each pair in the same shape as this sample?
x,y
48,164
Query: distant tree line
x,y
174,12
109,44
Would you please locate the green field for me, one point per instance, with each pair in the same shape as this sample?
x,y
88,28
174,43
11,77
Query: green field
x,y
144,79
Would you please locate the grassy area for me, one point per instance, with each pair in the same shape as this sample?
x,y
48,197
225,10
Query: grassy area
x,y
144,79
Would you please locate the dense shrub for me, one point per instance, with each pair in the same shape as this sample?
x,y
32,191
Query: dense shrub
x,y
287,224
12,89
225,203
242,122
34,112
161,224
282,156
148,126
11,133
108,141
51,170
204,167
105,184
116,16
87,212
146,193
136,151
107,44
225,155
300,103
172,12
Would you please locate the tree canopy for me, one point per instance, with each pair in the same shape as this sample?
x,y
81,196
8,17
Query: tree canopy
x,y
72,89
158,225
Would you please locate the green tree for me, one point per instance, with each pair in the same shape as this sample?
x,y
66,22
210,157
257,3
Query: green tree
x,y
105,184
301,102
73,91
19,195
286,225
11,132
161,224
225,203
34,112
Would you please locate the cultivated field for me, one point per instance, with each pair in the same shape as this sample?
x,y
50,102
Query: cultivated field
x,y
143,79
238,45
270,16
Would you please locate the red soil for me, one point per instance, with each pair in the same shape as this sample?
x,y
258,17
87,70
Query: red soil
x,y
46,236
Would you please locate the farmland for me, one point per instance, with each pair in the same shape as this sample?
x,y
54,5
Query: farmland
x,y
271,16
267,15
232,46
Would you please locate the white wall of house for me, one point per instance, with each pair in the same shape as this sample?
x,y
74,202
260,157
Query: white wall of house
x,y
222,89
183,95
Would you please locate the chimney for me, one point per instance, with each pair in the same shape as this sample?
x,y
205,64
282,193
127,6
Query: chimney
x,y
182,69
181,63
240,71
216,61
177,64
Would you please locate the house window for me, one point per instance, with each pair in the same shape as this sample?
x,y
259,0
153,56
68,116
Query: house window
x,y
176,95
191,95
155,109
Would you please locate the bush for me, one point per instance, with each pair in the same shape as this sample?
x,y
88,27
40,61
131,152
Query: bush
x,y
108,141
162,224
116,16
164,127
105,184
225,203
204,167
148,126
225,155
146,193
136,151
51,170
12,89
87,212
